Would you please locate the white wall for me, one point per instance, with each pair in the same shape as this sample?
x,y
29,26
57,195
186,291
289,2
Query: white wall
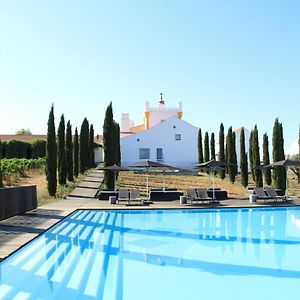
x,y
157,116
183,153
126,123
98,152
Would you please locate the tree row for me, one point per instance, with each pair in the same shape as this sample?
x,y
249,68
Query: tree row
x,y
67,156
249,160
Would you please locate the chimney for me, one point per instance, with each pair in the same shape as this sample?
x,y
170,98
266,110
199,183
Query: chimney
x,y
125,123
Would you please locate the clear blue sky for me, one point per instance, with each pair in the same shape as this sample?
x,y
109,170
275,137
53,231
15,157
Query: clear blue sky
x,y
232,61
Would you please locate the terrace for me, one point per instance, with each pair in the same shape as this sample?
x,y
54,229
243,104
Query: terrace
x,y
18,230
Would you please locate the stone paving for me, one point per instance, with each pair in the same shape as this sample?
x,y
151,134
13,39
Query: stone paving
x,y
18,230
88,187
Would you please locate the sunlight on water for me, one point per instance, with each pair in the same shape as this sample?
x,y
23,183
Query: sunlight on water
x,y
160,254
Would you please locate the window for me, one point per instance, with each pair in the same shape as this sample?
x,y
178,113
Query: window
x,y
144,153
159,153
178,137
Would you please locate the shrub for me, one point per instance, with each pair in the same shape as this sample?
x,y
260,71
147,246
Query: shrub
x,y
17,149
38,148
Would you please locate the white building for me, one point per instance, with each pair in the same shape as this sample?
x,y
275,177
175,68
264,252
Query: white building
x,y
163,137
98,149
173,142
98,154
152,117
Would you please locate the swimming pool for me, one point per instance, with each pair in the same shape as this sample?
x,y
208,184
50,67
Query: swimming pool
x,y
160,254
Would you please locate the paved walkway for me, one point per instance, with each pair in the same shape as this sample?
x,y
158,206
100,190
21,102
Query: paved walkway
x,y
18,230
88,187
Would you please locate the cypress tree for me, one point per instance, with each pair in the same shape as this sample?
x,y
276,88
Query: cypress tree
x,y
108,145
212,147
84,146
256,158
228,144
266,159
91,148
69,152
118,147
221,149
275,152
243,157
76,154
206,147
251,155
230,155
297,170
279,176
282,170
51,155
200,147
61,152
116,144
234,155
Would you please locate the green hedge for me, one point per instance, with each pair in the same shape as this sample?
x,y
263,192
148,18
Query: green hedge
x,y
38,148
20,149
17,149
1,150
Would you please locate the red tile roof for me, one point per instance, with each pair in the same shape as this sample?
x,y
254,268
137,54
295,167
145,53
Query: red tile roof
x,y
22,137
30,137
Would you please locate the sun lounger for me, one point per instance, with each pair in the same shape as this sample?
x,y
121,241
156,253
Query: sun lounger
x,y
135,196
261,195
271,192
202,194
193,196
123,195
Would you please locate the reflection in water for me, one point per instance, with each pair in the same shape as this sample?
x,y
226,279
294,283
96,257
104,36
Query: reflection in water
x,y
64,262
279,229
254,227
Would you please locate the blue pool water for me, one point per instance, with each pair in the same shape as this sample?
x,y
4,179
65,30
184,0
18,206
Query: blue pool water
x,y
161,254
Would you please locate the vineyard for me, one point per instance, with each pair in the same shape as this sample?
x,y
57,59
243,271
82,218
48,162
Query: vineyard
x,y
180,182
14,168
183,182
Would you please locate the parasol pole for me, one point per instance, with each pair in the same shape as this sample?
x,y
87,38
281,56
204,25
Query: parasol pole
x,y
213,184
115,181
147,180
287,182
